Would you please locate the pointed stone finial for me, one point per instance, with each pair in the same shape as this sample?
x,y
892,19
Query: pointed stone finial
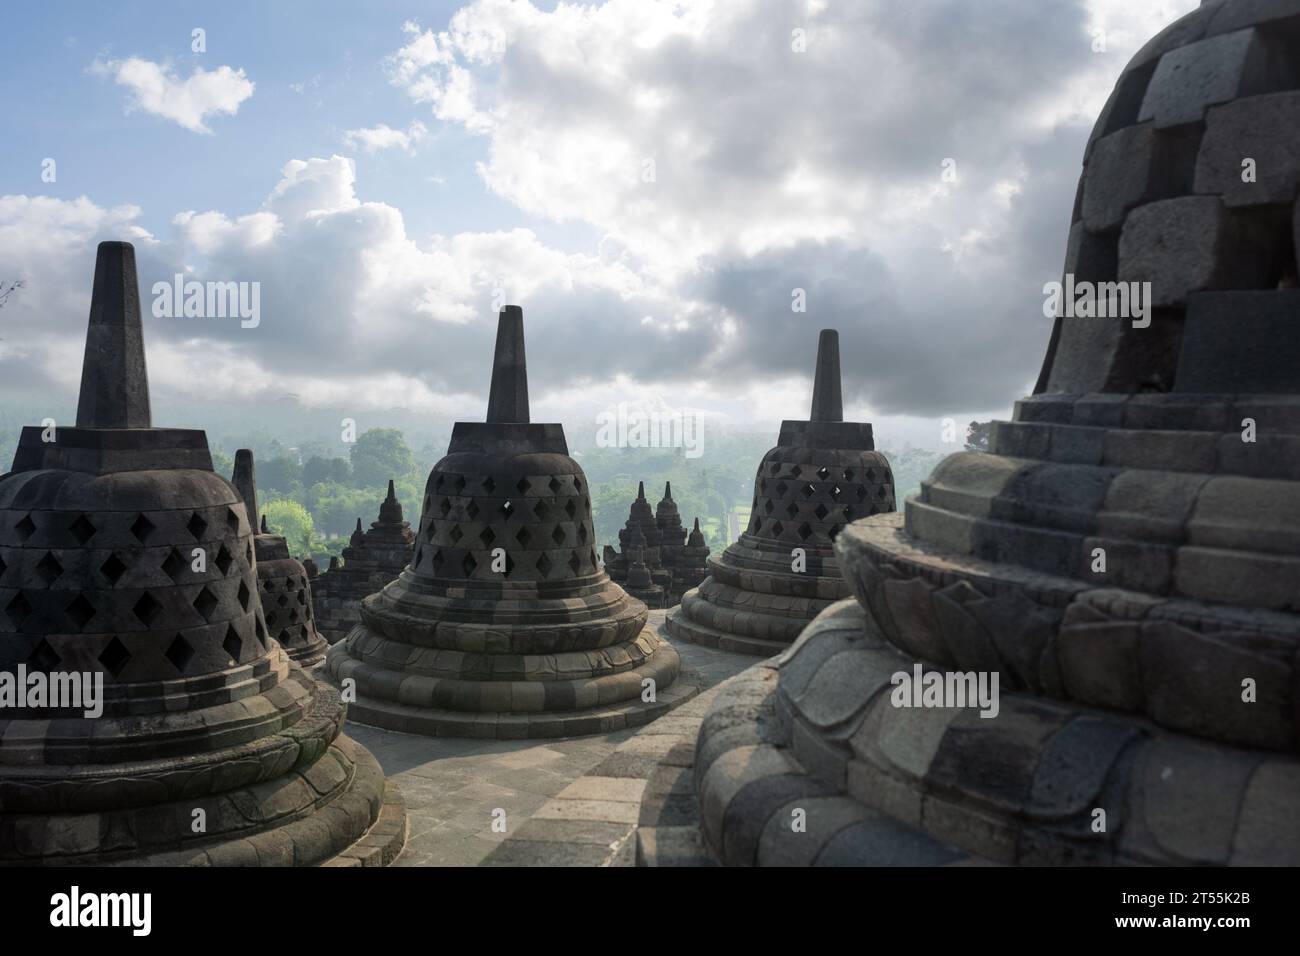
x,y
245,481
696,538
265,529
640,491
668,491
358,531
390,509
508,398
827,404
114,381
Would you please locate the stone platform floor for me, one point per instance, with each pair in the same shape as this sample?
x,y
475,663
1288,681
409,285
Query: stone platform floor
x,y
451,786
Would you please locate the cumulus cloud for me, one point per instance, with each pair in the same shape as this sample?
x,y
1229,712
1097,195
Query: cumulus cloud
x,y
352,307
375,138
735,160
157,89
719,170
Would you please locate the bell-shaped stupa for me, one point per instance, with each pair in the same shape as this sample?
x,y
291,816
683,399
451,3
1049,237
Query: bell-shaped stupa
x,y
127,565
782,572
283,582
504,625
1125,562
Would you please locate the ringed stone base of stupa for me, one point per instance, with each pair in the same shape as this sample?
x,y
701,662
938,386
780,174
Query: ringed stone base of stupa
x,y
603,695
1177,662
1101,707
751,611
302,796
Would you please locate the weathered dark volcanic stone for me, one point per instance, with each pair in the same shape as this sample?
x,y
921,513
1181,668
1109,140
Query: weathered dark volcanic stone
x,y
282,580
822,474
543,645
100,532
372,558
1160,688
673,568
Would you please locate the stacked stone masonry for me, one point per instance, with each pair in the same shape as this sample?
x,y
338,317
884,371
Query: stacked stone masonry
x,y
674,561
823,474
505,625
372,559
204,715
1125,560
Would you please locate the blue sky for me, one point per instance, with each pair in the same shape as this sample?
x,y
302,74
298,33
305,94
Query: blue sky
x,y
336,50
654,182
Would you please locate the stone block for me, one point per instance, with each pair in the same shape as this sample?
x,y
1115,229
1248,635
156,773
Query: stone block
x,y
845,684
1233,577
1099,664
1268,828
970,646
1074,766
1187,245
1243,13
1190,797
1135,565
1200,74
1181,32
881,841
1193,683
1132,166
892,796
782,845
1160,451
672,846
1259,128
1247,514
1089,256
1149,505
1241,343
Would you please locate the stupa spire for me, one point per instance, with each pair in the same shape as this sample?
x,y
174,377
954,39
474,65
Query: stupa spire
x,y
827,403
114,380
245,482
508,398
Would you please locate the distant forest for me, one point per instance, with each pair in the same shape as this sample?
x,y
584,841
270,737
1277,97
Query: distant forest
x,y
313,495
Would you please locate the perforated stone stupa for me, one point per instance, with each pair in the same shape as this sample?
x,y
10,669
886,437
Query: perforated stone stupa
x,y
822,474
371,559
202,711
504,625
1126,559
282,580
663,545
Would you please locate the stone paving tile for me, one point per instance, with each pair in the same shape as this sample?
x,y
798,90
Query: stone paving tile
x,y
451,785
601,811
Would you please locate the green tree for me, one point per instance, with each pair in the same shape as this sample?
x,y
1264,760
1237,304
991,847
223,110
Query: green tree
x,y
279,473
378,455
319,469
293,521
222,463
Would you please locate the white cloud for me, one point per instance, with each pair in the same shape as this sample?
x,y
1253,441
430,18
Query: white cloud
x,y
375,138
724,162
772,170
155,88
